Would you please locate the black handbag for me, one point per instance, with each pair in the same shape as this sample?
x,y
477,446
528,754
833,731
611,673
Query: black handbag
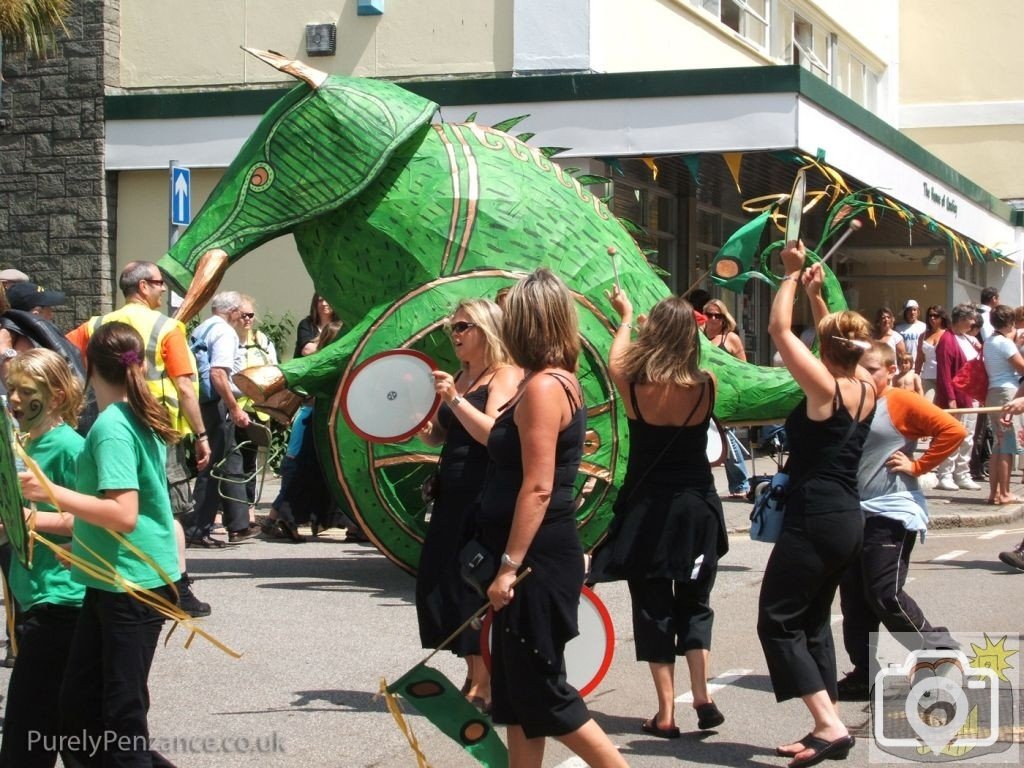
x,y
478,566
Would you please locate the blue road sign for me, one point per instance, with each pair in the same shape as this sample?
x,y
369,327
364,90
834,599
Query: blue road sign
x,y
181,196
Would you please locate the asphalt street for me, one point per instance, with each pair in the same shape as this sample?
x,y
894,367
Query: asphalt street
x,y
320,623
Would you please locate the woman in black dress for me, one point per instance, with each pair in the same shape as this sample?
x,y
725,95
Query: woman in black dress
x,y
823,527
527,513
463,422
669,531
310,327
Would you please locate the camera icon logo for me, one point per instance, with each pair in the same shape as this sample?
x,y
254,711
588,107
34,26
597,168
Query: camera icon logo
x,y
951,705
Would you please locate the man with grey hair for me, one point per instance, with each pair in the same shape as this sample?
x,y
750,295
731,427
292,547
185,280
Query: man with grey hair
x,y
215,344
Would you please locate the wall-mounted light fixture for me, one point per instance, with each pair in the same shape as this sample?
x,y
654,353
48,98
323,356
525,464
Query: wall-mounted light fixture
x,y
936,257
321,39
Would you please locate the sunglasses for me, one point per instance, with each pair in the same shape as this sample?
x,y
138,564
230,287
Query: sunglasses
x,y
248,315
714,315
934,317
460,327
154,281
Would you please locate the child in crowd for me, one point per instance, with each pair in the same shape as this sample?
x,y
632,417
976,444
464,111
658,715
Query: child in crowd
x,y
906,378
121,487
45,397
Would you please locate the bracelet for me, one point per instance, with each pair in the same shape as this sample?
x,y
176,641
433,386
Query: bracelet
x,y
455,401
625,325
201,436
506,560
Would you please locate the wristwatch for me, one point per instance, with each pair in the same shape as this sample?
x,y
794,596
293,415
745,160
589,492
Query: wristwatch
x,y
8,353
506,560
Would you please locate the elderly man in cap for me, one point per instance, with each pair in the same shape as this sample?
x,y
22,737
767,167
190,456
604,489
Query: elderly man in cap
x,y
912,327
29,297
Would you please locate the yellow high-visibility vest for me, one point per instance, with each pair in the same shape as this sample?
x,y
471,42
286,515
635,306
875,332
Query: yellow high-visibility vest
x,y
153,327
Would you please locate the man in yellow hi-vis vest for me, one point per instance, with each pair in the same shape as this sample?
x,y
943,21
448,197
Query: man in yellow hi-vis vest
x,y
171,375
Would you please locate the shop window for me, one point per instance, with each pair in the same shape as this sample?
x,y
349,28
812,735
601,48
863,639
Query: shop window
x,y
655,210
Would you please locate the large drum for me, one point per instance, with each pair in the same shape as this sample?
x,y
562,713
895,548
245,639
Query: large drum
x,y
588,655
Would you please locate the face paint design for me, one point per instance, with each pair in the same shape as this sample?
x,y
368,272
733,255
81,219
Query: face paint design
x,y
31,406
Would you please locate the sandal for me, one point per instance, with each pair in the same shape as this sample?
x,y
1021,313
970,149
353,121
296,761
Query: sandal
x,y
651,726
709,716
824,750
786,753
480,703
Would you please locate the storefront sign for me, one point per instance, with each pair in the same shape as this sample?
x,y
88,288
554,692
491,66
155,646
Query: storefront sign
x,y
940,198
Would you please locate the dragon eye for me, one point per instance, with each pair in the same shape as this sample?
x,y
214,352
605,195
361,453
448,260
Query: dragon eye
x,y
261,177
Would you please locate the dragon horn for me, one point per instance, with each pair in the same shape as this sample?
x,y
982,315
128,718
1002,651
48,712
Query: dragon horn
x,y
295,68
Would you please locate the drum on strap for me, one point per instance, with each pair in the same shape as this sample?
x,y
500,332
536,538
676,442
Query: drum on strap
x,y
390,397
588,655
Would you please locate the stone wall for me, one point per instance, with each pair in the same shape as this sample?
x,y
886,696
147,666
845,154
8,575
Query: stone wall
x,y
57,204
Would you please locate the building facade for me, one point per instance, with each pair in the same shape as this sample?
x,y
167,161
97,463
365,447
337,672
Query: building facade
x,y
693,108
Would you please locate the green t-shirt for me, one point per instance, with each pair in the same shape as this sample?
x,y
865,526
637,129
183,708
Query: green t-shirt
x,y
120,454
48,581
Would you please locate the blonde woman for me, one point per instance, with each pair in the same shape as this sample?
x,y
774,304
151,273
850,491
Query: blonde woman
x,y
527,513
669,530
823,526
721,331
470,401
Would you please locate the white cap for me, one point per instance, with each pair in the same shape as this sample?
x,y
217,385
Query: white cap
x,y
13,276
911,304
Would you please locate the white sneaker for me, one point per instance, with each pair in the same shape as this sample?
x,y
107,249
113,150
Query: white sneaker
x,y
946,484
967,483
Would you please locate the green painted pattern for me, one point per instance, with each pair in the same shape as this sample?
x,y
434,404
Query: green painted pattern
x,y
443,212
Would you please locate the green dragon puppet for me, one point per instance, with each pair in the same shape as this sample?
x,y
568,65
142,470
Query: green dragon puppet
x,y
396,218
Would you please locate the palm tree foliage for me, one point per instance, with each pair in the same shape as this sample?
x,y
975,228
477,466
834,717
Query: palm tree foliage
x,y
32,24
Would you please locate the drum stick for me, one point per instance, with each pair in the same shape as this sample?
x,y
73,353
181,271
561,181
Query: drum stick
x,y
475,618
615,267
980,409
854,226
697,282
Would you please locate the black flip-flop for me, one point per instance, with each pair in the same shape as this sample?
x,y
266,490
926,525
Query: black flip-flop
x,y
783,753
709,716
651,726
824,750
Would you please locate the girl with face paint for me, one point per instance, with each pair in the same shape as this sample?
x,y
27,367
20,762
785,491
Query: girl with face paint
x,y
45,398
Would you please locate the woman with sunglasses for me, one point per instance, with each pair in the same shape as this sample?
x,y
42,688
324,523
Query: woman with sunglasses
x,y
470,401
937,323
721,331
885,330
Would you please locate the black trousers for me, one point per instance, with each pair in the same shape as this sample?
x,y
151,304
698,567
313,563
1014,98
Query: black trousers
x,y
211,494
871,593
32,717
670,617
795,606
105,693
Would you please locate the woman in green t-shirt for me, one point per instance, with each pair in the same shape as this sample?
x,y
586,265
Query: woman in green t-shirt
x,y
45,398
121,487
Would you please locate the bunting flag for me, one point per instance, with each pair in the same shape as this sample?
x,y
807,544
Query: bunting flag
x,y
17,526
734,160
692,163
434,697
649,162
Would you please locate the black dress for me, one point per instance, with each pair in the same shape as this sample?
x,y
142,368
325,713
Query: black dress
x,y
667,534
443,600
528,685
667,515
821,535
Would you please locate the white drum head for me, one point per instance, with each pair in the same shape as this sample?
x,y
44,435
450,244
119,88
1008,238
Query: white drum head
x,y
716,444
588,655
390,396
